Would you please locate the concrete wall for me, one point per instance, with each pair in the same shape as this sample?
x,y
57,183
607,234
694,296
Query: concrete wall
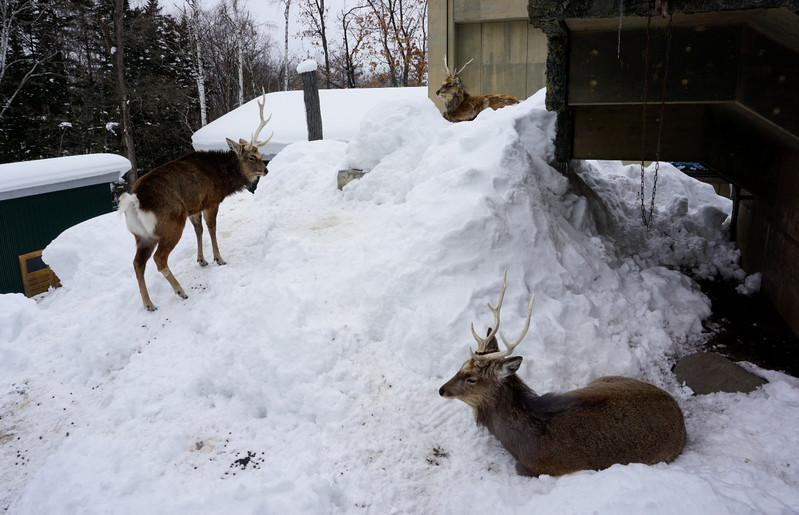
x,y
509,54
768,229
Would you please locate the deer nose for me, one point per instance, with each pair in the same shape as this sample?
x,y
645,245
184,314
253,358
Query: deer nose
x,y
441,391
437,92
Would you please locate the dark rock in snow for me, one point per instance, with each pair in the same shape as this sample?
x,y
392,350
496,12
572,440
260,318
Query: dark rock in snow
x,y
708,372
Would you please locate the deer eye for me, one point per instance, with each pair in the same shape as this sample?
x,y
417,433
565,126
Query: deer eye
x,y
471,380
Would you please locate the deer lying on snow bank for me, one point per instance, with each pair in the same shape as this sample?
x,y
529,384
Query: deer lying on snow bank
x,y
612,420
460,106
188,187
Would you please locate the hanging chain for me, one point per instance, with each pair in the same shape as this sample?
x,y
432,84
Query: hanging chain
x,y
618,43
643,111
648,220
660,123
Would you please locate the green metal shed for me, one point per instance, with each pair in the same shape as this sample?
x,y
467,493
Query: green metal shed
x,y
40,199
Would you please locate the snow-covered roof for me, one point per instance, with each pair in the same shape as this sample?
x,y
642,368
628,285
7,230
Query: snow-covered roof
x,y
59,173
342,110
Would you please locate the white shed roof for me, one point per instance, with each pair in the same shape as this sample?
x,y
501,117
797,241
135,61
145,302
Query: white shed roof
x,y
342,110
59,173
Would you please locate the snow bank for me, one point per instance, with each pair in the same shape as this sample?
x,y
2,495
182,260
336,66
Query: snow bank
x,y
342,111
302,377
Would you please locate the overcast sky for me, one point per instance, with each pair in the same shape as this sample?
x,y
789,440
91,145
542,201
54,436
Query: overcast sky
x,y
271,14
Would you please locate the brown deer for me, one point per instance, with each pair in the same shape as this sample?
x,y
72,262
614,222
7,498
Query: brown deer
x,y
461,106
188,187
612,420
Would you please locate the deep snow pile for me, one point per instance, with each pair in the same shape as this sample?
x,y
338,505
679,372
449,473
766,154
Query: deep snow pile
x,y
302,377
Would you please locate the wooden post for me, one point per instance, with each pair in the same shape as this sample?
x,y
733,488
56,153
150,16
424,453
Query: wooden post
x,y
310,87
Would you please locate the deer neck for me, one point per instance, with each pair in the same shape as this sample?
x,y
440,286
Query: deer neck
x,y
233,175
456,100
511,412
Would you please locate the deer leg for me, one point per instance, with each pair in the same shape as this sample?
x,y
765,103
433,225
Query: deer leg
x,y
197,222
144,249
165,246
210,221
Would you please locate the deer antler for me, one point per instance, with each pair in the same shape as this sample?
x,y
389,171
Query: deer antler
x,y
464,66
255,142
483,343
446,68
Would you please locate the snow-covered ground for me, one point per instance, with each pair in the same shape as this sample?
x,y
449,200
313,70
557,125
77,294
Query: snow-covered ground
x,y
303,376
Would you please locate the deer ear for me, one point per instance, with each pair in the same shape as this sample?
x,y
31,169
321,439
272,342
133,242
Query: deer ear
x,y
508,366
235,147
492,345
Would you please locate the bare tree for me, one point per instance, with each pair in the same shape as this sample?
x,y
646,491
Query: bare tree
x,y
354,33
14,14
197,25
399,30
238,30
222,60
286,11
314,13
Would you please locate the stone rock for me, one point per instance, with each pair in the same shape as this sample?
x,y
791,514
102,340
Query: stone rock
x,y
347,176
707,372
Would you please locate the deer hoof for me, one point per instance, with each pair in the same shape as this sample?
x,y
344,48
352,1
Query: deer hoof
x,y
220,261
150,307
202,262
182,294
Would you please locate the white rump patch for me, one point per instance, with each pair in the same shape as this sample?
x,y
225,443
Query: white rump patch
x,y
139,222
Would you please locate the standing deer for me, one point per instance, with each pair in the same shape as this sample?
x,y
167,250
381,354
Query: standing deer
x,y
188,187
612,420
462,107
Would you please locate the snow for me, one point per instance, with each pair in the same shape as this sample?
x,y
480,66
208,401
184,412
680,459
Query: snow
x,y
303,376
342,111
59,173
308,65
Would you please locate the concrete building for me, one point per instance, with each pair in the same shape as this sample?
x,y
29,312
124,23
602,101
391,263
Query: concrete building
x,y
721,77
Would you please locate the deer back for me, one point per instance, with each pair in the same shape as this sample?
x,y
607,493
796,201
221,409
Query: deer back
x,y
197,181
613,420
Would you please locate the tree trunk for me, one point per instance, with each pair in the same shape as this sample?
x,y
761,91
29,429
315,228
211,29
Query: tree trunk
x,y
199,67
201,81
286,50
239,34
313,112
320,7
122,93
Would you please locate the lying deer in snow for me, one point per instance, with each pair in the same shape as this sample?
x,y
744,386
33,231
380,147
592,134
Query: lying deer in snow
x,y
612,420
188,187
460,106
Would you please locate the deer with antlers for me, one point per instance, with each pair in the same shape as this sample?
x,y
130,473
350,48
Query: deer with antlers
x,y
188,187
611,420
459,105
